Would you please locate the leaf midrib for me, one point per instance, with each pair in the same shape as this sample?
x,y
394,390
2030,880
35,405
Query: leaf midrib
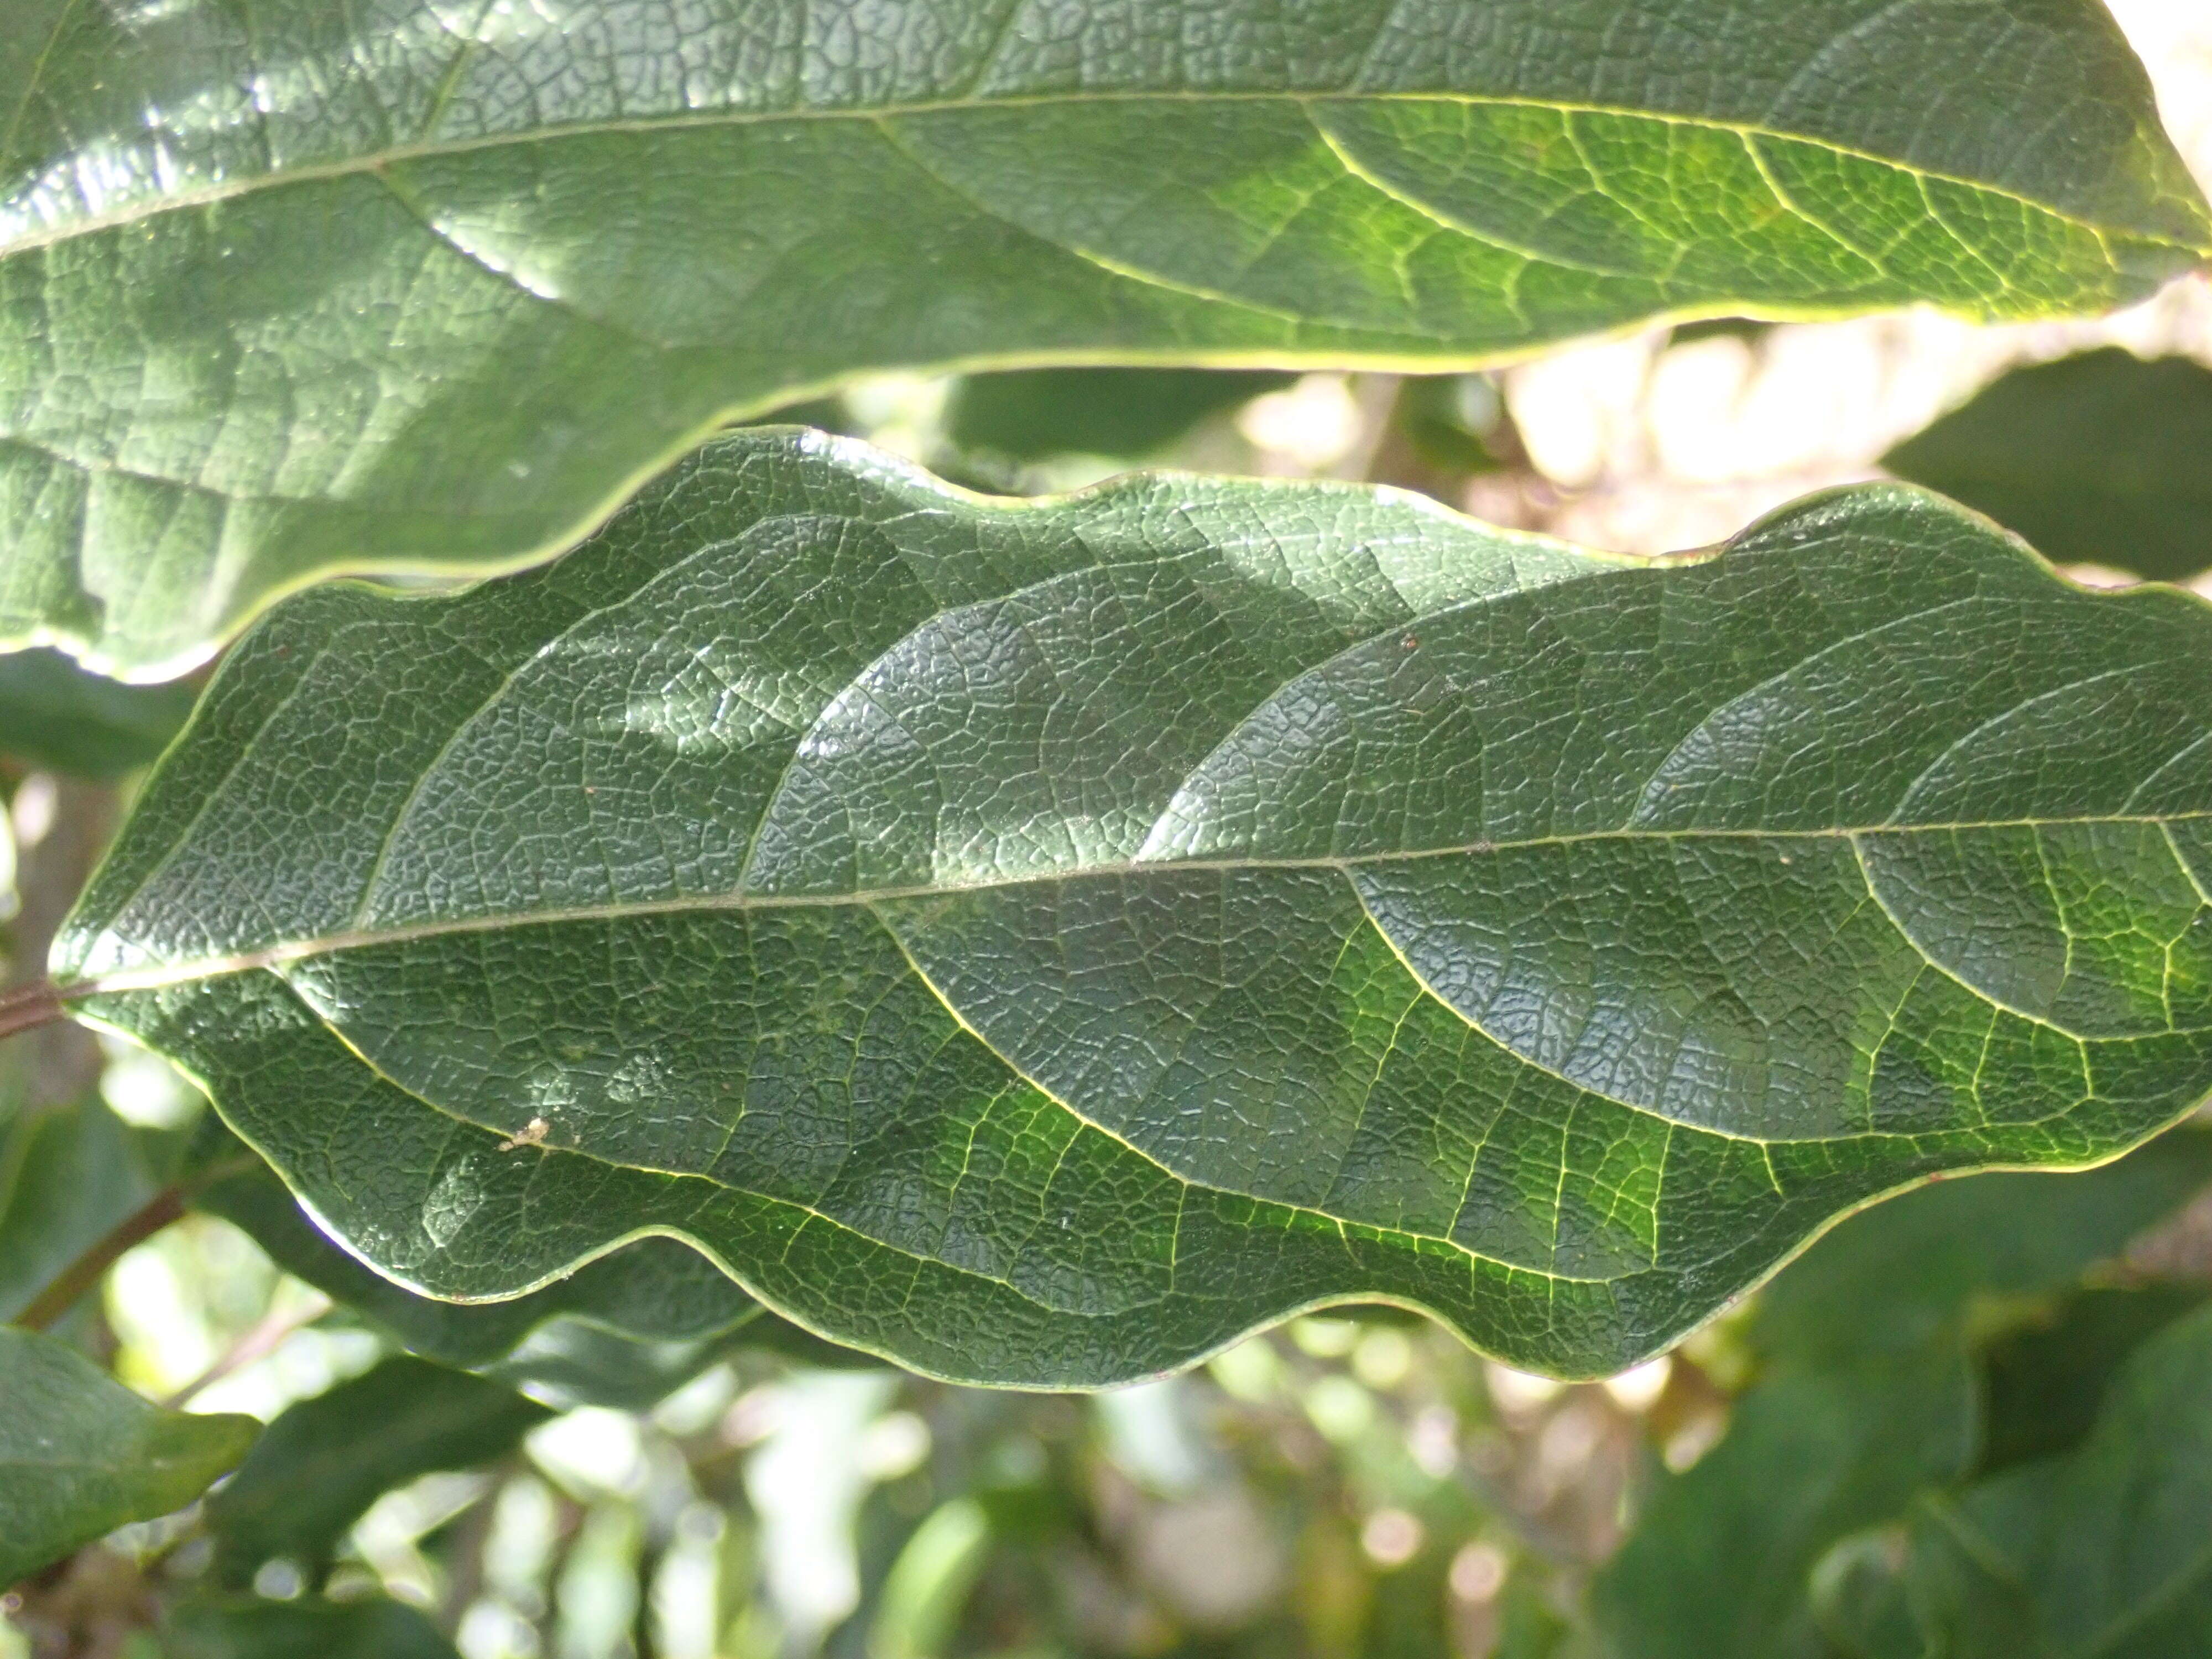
x,y
193,970
374,161
1186,1183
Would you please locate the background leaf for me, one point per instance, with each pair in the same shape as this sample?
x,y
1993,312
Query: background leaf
x,y
2099,1551
929,1582
81,1455
1127,413
1868,1399
2046,1384
324,1462
309,1628
2097,460
57,715
406,292
1906,1272
1720,1561
1098,926
67,1175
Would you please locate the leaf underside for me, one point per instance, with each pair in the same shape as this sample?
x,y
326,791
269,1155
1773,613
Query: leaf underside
x,y
625,1331
1040,943
384,288
54,715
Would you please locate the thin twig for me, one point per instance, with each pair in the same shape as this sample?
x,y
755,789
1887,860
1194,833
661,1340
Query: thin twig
x,y
88,1269
158,1212
262,1339
464,1549
30,1006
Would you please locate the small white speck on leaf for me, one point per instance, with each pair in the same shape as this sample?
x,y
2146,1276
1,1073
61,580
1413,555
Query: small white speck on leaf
x,y
533,1134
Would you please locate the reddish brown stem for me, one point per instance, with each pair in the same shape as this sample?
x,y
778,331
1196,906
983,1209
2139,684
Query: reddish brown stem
x,y
166,1207
30,1006
88,1269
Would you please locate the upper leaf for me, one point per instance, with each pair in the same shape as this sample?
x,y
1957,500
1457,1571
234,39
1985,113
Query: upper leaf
x,y
408,286
2097,460
1040,942
81,1455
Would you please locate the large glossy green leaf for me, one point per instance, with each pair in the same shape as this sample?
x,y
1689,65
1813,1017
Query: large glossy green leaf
x,y
81,1455
2097,460
1041,943
325,1460
404,285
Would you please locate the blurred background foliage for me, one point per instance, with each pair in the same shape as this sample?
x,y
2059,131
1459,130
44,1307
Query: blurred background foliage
x,y
1972,1419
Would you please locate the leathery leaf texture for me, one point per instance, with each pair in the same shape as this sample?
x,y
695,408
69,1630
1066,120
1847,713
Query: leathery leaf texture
x,y
408,285
1040,942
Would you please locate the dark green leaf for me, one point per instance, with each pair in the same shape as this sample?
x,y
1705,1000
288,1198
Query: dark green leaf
x,y
1718,1564
55,715
567,1360
1126,412
2097,460
67,1175
325,1460
2098,1552
2045,1383
1041,943
1902,1273
655,1290
1861,1603
303,287
1869,1399
1748,329
1451,422
311,1629
81,1455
